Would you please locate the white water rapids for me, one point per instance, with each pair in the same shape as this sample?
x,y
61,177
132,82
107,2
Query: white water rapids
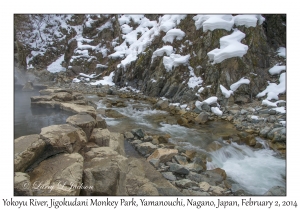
x,y
252,170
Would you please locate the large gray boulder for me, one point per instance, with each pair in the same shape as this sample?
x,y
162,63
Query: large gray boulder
x,y
27,150
60,175
83,120
22,185
63,138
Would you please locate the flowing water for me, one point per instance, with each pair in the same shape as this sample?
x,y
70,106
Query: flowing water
x,y
252,170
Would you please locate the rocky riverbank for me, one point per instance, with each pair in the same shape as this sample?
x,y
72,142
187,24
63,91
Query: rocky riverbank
x,y
92,159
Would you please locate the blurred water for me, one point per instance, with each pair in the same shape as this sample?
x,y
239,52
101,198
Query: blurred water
x,y
29,120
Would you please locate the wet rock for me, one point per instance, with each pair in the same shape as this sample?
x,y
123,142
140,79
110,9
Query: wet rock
x,y
205,107
27,150
276,191
169,176
163,139
163,155
100,123
113,114
101,137
41,98
202,118
146,148
63,96
263,132
272,112
186,183
79,109
63,138
215,145
22,185
181,159
138,132
154,162
162,104
128,136
178,169
247,138
277,134
85,121
61,175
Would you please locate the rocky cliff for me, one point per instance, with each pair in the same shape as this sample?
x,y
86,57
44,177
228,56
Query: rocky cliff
x,y
181,57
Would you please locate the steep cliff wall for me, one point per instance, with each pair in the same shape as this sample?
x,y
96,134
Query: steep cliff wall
x,y
172,56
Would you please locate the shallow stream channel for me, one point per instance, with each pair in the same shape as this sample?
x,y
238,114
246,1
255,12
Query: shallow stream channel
x,y
254,170
250,169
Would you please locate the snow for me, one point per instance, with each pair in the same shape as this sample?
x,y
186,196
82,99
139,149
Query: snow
x,y
161,51
126,29
101,66
248,20
76,80
208,101
236,85
274,89
56,65
201,89
168,22
271,104
175,60
216,111
280,109
194,81
226,92
132,46
230,46
254,117
107,80
277,70
281,51
173,34
212,22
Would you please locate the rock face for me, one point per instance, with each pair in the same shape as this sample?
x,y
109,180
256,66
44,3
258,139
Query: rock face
x,y
22,185
84,121
163,155
28,150
60,175
63,138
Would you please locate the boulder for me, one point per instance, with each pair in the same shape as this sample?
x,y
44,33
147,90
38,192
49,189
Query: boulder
x,y
22,185
63,138
79,109
105,172
100,122
63,96
146,148
138,132
277,134
41,98
202,118
59,175
85,121
128,136
186,183
181,159
204,186
163,155
27,150
113,114
162,104
169,176
178,169
101,137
